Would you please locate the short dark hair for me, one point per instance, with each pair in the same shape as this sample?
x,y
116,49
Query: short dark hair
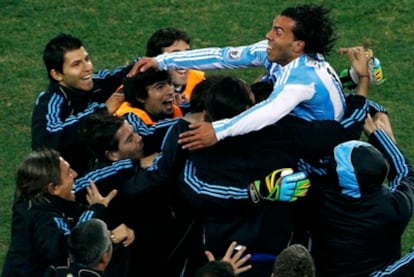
x,y
200,92
54,53
36,172
314,27
98,134
227,98
88,242
163,38
215,269
136,87
293,261
261,90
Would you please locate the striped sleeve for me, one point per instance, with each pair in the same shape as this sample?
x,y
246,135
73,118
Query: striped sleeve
x,y
216,58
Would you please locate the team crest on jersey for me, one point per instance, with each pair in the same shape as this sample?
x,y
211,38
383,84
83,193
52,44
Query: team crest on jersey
x,y
234,54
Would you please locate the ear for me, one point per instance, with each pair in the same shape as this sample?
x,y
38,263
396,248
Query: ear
x,y
51,188
104,261
56,75
299,46
140,100
106,258
113,156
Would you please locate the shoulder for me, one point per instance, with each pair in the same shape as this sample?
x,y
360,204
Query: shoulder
x,y
72,271
196,74
180,126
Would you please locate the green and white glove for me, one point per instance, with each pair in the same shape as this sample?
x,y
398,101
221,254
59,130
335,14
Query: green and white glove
x,y
280,185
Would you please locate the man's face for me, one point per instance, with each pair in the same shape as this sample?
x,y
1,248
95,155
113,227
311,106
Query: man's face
x,y
282,48
67,178
130,145
77,70
159,102
178,76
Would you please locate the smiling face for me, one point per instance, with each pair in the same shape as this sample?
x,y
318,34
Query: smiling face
x,y
159,103
77,70
67,179
282,46
178,76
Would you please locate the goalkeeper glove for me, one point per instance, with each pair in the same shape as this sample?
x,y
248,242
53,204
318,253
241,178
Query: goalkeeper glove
x,y
280,185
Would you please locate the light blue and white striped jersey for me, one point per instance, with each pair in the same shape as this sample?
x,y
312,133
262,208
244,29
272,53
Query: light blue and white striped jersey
x,y
307,87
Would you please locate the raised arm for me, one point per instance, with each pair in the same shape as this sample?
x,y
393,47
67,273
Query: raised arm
x,y
207,58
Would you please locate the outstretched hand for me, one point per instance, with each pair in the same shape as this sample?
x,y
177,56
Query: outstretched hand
x,y
95,197
359,58
236,260
201,135
143,64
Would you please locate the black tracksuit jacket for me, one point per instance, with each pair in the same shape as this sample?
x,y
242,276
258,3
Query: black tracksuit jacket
x,y
58,112
38,234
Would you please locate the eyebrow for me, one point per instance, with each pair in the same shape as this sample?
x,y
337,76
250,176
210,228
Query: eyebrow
x,y
80,60
131,134
278,28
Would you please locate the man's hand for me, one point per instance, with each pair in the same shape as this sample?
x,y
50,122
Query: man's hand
x,y
147,161
143,64
114,102
95,197
201,135
359,58
280,185
236,261
123,234
382,121
360,64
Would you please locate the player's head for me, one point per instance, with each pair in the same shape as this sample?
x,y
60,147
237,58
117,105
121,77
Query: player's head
x,y
151,91
294,261
55,50
163,39
200,92
110,138
45,172
228,97
298,30
68,63
167,40
314,26
89,244
360,168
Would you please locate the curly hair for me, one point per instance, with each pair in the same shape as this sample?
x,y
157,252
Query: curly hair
x,y
314,27
295,260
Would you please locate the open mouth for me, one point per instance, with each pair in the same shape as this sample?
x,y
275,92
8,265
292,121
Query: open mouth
x,y
181,71
86,78
168,103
